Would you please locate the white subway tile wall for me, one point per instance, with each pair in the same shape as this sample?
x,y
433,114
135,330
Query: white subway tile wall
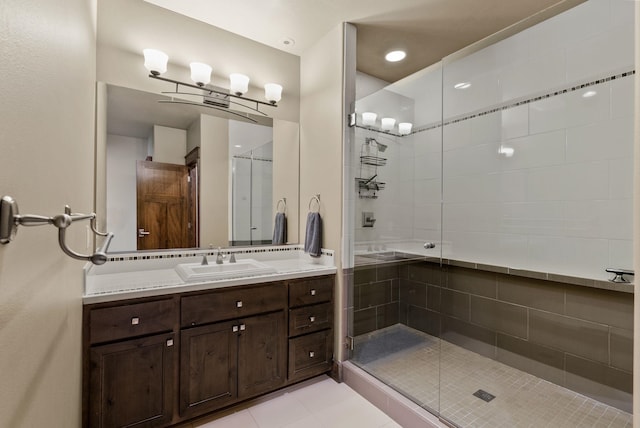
x,y
533,166
545,185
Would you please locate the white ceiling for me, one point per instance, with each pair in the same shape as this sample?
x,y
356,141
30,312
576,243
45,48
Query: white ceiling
x,y
428,29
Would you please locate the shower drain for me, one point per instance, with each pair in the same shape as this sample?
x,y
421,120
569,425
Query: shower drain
x,y
484,395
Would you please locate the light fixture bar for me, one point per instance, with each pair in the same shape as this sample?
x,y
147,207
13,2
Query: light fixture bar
x,y
213,98
191,103
212,91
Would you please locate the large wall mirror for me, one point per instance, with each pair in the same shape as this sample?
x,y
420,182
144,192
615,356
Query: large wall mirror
x,y
183,176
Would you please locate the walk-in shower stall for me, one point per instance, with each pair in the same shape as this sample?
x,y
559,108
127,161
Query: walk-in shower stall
x,y
482,236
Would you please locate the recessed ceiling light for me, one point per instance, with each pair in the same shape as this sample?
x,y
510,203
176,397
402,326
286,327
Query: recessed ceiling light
x,y
237,146
589,94
395,56
462,85
287,42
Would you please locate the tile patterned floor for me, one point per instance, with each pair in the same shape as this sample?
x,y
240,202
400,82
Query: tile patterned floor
x,y
318,403
522,400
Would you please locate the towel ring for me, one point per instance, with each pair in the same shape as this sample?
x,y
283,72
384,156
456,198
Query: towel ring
x,y
284,205
317,199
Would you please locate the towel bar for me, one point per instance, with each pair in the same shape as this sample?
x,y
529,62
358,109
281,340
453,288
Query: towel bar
x,y
317,199
10,219
284,205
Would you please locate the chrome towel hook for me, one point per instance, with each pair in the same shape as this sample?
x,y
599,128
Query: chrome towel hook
x,y
10,219
282,201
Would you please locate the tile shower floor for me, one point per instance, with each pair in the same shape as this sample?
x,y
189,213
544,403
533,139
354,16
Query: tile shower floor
x,y
414,363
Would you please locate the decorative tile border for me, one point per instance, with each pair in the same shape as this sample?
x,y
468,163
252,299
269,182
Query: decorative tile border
x,y
177,254
508,104
523,101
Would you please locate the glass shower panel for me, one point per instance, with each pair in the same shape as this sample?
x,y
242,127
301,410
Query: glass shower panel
x,y
252,192
537,203
394,318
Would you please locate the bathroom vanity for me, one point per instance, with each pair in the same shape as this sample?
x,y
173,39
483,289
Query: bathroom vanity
x,y
155,357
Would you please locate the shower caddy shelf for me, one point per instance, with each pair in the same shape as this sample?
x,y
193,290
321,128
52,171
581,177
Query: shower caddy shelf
x,y
369,186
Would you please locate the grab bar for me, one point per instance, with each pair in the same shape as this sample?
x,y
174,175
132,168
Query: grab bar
x,y
10,219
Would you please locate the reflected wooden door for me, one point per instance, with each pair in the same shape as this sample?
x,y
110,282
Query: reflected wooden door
x,y
162,205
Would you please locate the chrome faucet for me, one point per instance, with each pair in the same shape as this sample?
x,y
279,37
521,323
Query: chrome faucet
x,y
219,256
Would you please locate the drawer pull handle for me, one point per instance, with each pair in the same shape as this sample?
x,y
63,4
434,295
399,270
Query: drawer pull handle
x,y
235,329
312,354
313,292
135,321
312,319
169,342
239,304
243,327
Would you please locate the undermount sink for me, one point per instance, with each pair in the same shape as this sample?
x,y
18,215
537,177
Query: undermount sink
x,y
241,268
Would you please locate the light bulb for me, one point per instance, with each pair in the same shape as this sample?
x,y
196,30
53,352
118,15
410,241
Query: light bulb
x,y
369,119
387,123
200,73
239,83
155,61
273,92
404,128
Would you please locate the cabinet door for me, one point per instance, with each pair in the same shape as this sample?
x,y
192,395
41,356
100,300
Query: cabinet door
x,y
132,382
208,367
262,358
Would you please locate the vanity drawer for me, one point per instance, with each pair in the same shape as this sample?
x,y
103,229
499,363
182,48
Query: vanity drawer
x,y
308,319
124,321
232,303
310,291
310,355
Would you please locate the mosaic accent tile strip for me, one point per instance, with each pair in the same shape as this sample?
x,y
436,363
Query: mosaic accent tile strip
x,y
508,104
198,253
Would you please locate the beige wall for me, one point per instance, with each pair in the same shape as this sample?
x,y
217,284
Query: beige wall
x,y
321,121
286,169
47,140
169,145
214,181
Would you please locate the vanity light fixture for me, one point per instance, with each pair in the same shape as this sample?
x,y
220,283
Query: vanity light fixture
x,y
369,119
200,73
387,123
155,62
404,128
395,56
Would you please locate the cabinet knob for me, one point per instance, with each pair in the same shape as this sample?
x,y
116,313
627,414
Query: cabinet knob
x,y
235,329
243,327
169,342
239,304
312,354
313,292
312,319
135,321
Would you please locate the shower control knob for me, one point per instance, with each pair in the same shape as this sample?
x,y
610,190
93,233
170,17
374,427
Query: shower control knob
x,y
428,245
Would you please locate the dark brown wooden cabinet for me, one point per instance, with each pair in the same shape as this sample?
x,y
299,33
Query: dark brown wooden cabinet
x,y
310,327
156,362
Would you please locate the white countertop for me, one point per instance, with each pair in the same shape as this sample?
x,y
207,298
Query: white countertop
x,y
155,274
